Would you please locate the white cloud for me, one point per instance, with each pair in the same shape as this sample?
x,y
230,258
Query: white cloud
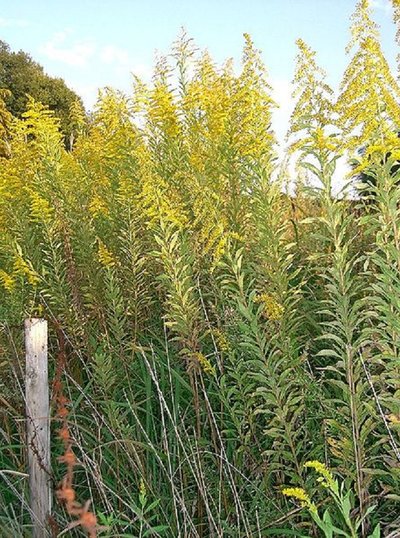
x,y
64,48
122,62
383,5
13,23
88,93
141,70
75,53
114,55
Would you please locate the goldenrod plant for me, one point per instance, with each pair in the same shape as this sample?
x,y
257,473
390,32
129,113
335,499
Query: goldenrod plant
x,y
344,523
368,104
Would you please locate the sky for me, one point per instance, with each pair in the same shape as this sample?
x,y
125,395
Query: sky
x,y
97,43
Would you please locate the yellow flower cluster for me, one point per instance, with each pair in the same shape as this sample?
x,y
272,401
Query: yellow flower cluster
x,y
98,207
77,116
369,100
301,495
24,269
326,479
7,281
271,308
392,418
163,112
220,250
221,245
106,258
221,340
324,142
378,152
236,236
208,94
41,211
205,364
313,110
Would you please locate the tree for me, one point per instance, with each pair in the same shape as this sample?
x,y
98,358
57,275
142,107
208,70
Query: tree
x,y
22,76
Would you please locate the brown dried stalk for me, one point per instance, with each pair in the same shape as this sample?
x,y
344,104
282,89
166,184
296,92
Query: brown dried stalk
x,y
65,492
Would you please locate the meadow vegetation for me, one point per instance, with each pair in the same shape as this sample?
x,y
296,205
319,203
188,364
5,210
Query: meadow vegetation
x,y
224,325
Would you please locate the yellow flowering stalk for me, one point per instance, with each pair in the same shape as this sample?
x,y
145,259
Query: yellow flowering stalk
x,y
25,269
342,499
221,339
368,105
204,363
301,495
77,117
313,109
219,251
97,207
392,418
396,20
162,110
326,479
252,107
272,310
159,203
207,92
7,281
312,116
105,257
41,210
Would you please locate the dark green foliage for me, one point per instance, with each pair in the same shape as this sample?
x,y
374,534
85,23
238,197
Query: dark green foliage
x,y
22,76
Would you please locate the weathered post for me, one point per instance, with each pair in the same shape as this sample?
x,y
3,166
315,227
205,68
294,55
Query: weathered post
x,y
37,424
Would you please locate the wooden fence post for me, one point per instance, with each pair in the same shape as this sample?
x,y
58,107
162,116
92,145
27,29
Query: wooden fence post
x,y
38,424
